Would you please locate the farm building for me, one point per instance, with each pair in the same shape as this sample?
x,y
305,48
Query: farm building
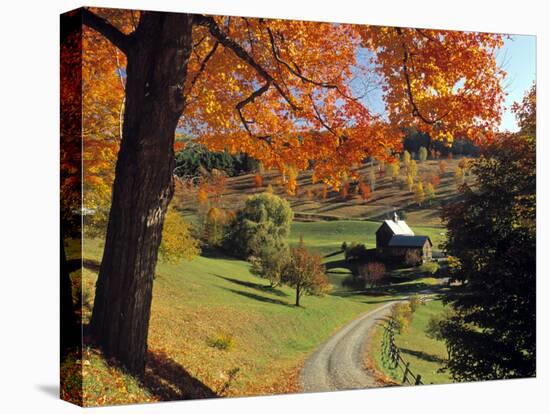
x,y
396,242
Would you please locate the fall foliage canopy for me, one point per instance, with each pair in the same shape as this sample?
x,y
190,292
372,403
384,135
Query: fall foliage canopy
x,y
283,91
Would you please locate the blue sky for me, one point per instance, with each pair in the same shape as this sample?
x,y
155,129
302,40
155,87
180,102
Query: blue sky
x,y
517,57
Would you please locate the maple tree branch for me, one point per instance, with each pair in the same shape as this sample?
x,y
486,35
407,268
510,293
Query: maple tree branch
x,y
248,100
99,24
203,64
296,72
319,117
416,111
226,41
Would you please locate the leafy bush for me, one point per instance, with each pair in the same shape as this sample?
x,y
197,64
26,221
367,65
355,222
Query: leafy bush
x,y
221,341
401,316
353,282
414,302
355,251
270,265
177,240
372,273
430,267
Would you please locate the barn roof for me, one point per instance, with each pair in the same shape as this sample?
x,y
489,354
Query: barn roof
x,y
408,241
399,227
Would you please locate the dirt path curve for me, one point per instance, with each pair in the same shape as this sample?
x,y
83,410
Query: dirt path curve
x,y
338,363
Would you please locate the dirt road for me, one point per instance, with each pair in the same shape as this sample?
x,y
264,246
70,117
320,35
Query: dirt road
x,y
338,363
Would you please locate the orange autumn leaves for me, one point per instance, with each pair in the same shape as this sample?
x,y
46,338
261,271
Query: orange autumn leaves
x,y
453,86
308,116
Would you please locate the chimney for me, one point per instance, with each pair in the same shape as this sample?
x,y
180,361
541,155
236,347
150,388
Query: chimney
x,y
395,216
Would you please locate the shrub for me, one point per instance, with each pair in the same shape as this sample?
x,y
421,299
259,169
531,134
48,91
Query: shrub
x,y
354,282
372,273
221,341
355,251
177,241
270,265
401,316
430,267
414,302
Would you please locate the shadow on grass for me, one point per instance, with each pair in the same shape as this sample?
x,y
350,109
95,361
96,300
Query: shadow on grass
x,y
342,263
258,286
423,355
257,297
168,380
326,256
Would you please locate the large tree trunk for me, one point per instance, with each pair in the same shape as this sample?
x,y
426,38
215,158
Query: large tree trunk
x,y
143,186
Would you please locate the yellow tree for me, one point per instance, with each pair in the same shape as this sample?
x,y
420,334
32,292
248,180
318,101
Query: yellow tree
x,y
278,90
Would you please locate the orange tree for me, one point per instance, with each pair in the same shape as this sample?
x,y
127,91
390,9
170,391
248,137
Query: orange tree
x,y
278,90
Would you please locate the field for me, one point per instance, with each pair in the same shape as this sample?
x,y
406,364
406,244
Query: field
x,y
216,329
424,354
210,303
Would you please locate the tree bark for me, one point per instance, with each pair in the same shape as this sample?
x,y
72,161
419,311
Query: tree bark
x,y
157,53
297,295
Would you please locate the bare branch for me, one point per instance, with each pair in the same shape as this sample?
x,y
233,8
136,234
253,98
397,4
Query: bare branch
x,y
115,36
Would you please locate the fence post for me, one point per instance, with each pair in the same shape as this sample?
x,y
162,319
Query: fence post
x,y
406,372
418,380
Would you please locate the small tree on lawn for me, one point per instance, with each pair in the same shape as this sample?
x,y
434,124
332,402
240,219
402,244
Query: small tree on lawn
x,y
214,227
430,193
422,154
177,241
413,168
395,170
410,183
270,264
442,167
365,191
406,158
419,194
305,272
372,273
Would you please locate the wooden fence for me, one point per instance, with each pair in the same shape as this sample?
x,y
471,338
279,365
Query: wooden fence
x,y
391,355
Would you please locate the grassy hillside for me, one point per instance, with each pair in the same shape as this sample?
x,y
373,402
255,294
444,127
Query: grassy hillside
x,y
388,195
424,354
206,300
209,301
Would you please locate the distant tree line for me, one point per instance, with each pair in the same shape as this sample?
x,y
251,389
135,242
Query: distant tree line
x,y
196,157
415,140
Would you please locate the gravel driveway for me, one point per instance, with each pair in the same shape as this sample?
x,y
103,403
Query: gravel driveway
x,y
338,363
